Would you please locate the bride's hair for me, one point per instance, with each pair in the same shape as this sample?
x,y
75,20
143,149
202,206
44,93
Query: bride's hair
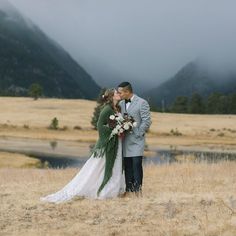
x,y
107,98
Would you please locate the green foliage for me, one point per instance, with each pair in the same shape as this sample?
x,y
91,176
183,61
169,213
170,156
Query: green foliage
x,y
196,105
176,132
232,103
35,91
97,109
54,124
221,104
180,105
155,108
215,103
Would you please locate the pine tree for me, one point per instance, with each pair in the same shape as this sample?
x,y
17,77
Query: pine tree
x,y
232,103
224,104
196,105
54,124
35,91
213,101
180,105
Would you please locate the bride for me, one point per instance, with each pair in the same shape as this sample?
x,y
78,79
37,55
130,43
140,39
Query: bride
x,y
102,175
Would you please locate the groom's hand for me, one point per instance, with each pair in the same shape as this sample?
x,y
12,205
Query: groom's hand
x,y
138,134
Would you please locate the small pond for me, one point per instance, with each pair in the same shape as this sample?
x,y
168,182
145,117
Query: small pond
x,y
62,154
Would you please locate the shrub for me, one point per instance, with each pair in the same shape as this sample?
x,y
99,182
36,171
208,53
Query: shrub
x,y
54,124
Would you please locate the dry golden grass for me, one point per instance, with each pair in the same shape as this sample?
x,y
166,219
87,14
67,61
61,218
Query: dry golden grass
x,y
15,160
215,131
24,117
178,199
189,124
26,111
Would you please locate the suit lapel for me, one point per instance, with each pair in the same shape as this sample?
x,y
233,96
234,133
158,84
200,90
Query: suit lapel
x,y
132,104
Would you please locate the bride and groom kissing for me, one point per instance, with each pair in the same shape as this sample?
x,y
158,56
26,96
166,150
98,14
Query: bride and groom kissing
x,y
115,166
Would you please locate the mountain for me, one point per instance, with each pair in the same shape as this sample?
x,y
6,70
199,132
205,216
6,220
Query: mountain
x,y
195,77
29,56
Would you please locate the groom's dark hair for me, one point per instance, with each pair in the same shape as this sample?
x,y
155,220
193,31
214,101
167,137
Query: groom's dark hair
x,y
126,85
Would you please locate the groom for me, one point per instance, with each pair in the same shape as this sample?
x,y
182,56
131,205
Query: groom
x,y
133,144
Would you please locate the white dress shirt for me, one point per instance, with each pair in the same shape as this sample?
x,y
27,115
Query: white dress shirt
x,y
128,103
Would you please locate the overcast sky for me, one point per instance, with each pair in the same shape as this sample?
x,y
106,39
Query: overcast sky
x,y
137,40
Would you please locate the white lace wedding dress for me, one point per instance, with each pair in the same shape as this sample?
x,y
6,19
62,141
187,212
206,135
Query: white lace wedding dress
x,y
88,180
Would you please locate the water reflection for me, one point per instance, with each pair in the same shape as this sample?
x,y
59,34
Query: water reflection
x,y
53,144
59,162
62,154
162,157
170,156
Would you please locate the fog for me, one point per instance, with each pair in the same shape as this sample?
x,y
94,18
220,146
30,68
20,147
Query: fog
x,y
143,41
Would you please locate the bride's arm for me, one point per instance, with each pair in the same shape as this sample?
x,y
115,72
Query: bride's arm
x,y
103,129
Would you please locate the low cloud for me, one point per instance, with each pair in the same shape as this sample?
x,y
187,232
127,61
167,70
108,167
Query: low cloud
x,y
144,41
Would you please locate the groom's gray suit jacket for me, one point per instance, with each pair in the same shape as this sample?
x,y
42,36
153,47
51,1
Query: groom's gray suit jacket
x,y
134,143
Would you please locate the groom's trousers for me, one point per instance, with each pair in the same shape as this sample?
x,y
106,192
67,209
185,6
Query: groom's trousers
x,y
133,173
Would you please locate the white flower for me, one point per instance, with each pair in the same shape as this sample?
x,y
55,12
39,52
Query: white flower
x,y
112,117
119,118
126,126
114,131
135,124
121,130
130,124
118,127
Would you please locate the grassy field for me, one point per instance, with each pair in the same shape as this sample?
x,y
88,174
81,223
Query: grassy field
x,y
178,199
185,198
24,117
15,160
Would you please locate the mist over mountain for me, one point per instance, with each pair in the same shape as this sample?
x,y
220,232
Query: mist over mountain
x,y
200,76
144,42
28,55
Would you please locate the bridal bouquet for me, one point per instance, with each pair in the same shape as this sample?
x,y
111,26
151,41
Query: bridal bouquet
x,y
121,124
